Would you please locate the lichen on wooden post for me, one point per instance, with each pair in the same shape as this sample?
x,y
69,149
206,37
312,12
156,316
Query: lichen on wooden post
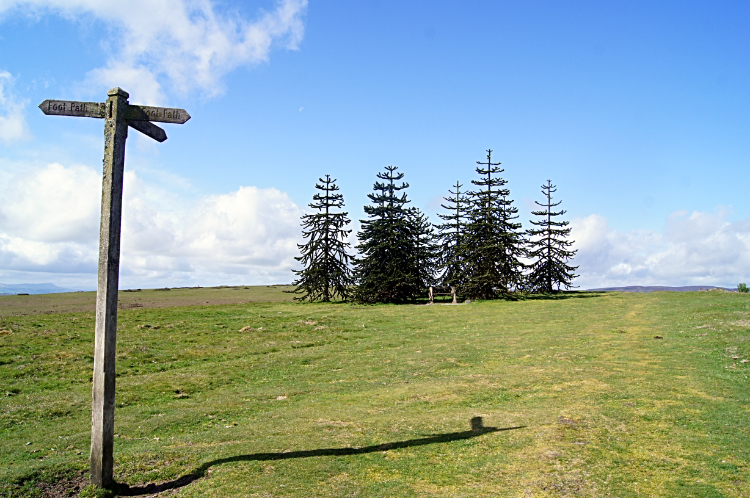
x,y
117,115
103,389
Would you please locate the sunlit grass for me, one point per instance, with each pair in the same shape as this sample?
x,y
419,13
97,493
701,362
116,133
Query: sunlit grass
x,y
597,405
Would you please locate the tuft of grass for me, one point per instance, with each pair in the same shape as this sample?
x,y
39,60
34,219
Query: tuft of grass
x,y
63,478
571,395
94,491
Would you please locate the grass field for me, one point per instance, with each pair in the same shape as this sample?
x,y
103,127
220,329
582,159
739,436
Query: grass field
x,y
147,298
577,397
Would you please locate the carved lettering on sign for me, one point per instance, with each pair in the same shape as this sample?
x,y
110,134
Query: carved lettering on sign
x,y
72,108
121,115
159,114
97,110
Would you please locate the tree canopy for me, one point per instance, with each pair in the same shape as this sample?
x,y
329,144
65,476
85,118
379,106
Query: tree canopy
x,y
493,243
326,273
549,247
396,259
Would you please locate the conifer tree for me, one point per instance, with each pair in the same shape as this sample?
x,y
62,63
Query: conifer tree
x,y
326,273
425,253
493,243
549,247
516,247
451,234
391,267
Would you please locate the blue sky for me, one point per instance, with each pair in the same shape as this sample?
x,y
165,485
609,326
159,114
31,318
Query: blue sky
x,y
638,111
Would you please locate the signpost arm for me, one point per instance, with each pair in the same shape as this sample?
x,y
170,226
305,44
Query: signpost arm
x,y
103,390
118,115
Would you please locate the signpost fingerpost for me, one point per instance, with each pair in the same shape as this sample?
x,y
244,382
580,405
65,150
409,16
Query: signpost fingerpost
x,y
118,114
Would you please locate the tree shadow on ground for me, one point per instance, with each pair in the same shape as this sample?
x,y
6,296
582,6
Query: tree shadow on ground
x,y
554,296
477,429
514,297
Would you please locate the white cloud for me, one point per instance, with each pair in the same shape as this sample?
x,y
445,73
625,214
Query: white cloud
x,y
12,119
53,204
138,81
49,223
250,233
188,44
691,249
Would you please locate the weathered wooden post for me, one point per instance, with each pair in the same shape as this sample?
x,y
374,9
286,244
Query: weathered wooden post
x,y
118,115
105,341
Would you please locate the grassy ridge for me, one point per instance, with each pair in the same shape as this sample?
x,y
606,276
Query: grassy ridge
x,y
71,302
596,406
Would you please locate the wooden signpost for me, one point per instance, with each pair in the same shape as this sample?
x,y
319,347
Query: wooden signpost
x,y
118,114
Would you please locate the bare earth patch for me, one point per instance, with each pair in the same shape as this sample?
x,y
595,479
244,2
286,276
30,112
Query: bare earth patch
x,y
64,488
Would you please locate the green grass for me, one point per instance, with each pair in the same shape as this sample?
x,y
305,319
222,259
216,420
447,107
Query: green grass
x,y
70,302
346,400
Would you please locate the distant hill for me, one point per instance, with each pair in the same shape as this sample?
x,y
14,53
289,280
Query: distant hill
x,y
10,289
6,289
655,288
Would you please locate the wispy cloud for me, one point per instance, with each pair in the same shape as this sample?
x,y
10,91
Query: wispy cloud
x,y
12,117
692,249
180,44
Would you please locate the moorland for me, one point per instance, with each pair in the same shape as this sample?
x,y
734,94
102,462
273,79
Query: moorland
x,y
240,392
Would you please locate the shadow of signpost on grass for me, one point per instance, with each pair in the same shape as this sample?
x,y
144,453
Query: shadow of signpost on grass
x,y
477,429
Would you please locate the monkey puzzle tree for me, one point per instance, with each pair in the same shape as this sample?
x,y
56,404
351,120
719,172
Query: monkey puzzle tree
x,y
392,266
326,273
493,242
425,250
516,247
451,233
549,247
